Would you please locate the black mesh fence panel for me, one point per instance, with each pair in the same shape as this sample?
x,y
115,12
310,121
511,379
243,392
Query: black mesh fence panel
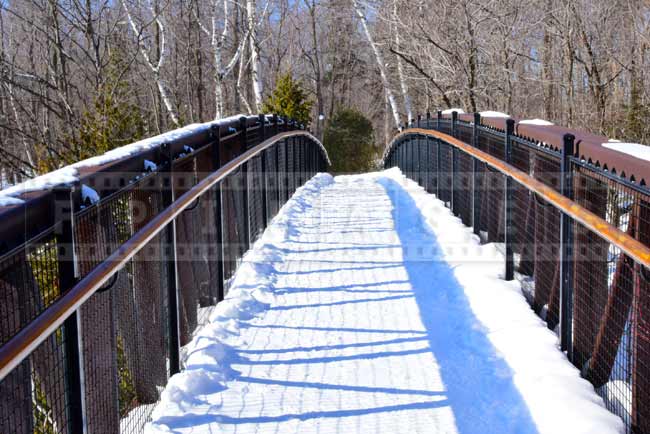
x,y
608,292
445,172
33,395
29,283
255,178
463,187
122,331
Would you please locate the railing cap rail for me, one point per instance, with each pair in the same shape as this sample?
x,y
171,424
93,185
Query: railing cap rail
x,y
630,246
589,146
24,342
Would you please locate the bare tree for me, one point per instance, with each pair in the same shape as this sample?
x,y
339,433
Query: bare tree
x,y
380,61
139,28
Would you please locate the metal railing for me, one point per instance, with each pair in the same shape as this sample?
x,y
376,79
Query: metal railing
x,y
95,308
575,235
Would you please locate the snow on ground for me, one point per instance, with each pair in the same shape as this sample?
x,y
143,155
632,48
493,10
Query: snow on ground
x,y
634,149
460,111
367,307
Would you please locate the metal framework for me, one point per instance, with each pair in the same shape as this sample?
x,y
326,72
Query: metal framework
x,y
576,235
95,308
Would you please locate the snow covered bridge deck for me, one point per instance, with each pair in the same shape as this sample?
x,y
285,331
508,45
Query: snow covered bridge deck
x,y
366,307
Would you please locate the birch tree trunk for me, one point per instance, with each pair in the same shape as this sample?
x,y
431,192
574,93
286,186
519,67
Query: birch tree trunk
x,y
251,11
218,42
400,68
380,62
154,67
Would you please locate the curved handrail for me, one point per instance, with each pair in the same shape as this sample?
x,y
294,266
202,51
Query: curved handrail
x,y
24,342
632,247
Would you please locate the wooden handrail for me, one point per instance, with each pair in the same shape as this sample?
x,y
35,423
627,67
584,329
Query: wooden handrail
x,y
27,340
630,246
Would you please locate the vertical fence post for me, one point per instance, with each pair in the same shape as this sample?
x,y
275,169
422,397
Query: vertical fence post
x,y
170,253
215,134
428,126
411,158
429,169
566,249
243,126
476,198
438,118
454,123
454,161
278,179
418,139
264,177
285,143
454,169
64,204
276,147
244,187
424,174
508,205
262,120
438,174
290,164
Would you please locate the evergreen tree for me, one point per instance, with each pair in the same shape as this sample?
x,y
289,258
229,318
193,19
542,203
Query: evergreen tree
x,y
348,139
636,125
289,99
112,121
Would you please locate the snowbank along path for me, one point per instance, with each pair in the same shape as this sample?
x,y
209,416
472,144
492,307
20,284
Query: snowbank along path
x,y
367,307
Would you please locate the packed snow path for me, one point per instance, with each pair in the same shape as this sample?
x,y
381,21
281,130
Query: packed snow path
x,y
367,307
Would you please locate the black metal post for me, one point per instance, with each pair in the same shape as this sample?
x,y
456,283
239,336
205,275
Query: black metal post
x,y
454,123
215,134
64,207
424,162
476,198
438,174
278,179
292,178
243,126
475,130
454,161
428,120
276,128
262,120
454,169
303,160
429,169
286,168
170,254
566,249
509,234
246,207
418,153
418,159
244,185
438,118
263,175
411,158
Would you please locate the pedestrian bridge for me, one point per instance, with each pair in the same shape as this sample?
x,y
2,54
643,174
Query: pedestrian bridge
x,y
218,280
